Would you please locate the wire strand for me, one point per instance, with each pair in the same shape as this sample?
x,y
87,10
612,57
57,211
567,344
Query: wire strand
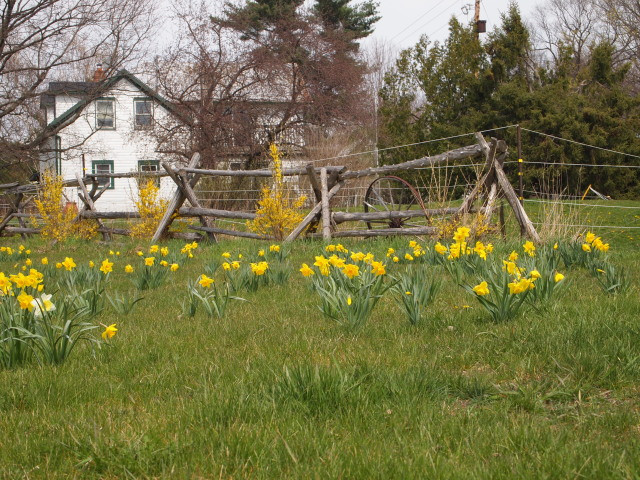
x,y
580,143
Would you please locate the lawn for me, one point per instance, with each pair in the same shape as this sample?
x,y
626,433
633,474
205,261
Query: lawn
x,y
275,389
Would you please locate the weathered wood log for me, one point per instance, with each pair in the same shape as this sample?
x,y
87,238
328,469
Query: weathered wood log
x,y
195,212
313,180
33,188
326,214
20,230
88,214
521,215
253,173
185,236
175,203
383,232
89,205
27,215
135,174
233,233
8,185
312,214
341,217
490,151
115,231
450,156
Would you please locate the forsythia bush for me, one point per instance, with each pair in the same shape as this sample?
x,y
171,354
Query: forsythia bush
x,y
57,222
151,208
277,212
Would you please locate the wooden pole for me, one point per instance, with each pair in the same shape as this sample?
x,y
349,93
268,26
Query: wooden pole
x,y
175,203
89,205
311,215
520,163
326,214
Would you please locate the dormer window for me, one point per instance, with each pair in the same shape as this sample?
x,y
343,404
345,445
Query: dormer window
x,y
106,113
143,111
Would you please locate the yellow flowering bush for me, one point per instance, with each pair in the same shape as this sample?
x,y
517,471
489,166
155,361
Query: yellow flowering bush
x,y
151,208
278,213
57,222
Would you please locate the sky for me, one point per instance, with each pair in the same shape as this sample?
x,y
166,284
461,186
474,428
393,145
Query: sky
x,y
403,21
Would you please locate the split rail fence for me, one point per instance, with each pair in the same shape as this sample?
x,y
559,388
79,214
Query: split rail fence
x,y
321,220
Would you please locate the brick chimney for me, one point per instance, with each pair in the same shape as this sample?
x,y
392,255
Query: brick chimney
x,y
99,74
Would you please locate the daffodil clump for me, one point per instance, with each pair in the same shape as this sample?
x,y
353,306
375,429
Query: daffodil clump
x,y
503,292
34,327
349,284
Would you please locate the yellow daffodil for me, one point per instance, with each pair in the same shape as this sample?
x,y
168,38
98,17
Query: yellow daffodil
x,y
235,265
529,248
58,265
306,271
513,256
149,261
330,248
534,274
589,237
349,300
164,263
378,268
461,234
205,281
44,261
140,253
274,248
558,277
586,247
407,293
28,262
357,256
128,269
259,268
174,267
555,246
106,266
226,255
408,256
439,248
109,331
226,266
390,252
154,249
164,251
396,259
68,264
481,289
323,265
25,300
91,264
261,253
350,270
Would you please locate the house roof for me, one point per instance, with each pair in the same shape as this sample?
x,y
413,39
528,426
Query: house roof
x,y
90,90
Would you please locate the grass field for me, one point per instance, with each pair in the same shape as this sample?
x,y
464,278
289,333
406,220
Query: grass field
x,y
277,390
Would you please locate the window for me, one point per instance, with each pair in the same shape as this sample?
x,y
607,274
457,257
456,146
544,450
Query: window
x,y
103,166
143,110
106,113
148,166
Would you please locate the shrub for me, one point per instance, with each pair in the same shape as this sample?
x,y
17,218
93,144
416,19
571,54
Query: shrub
x,y
278,212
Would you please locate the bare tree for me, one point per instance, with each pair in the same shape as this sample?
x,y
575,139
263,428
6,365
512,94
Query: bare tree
x,y
236,88
576,26
44,40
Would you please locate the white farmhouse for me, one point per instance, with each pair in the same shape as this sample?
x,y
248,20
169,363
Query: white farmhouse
x,y
104,126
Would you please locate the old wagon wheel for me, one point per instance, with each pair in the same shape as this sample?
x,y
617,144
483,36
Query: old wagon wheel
x,y
394,203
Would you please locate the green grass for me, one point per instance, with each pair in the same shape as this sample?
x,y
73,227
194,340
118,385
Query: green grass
x,y
275,390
